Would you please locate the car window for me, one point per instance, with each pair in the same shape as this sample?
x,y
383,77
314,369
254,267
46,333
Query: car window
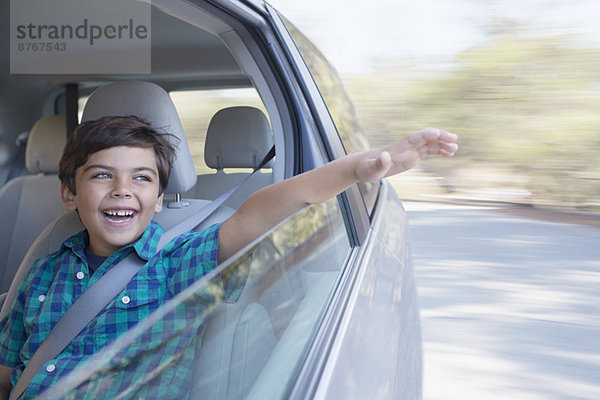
x,y
254,330
197,107
340,107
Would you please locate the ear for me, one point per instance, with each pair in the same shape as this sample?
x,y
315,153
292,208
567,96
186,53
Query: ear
x,y
159,203
67,197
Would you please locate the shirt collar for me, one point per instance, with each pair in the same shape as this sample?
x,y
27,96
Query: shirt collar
x,y
145,246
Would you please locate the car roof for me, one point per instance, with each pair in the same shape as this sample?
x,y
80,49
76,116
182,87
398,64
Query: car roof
x,y
182,55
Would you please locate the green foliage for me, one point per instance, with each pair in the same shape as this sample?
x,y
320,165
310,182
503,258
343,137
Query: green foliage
x,y
527,105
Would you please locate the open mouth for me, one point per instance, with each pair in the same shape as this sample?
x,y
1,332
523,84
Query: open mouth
x,y
119,216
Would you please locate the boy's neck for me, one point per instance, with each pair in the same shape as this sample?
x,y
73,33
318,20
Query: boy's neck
x,y
94,261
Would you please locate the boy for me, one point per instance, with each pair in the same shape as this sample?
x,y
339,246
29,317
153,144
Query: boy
x,y
113,172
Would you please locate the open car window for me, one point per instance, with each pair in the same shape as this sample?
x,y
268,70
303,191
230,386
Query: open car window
x,y
338,103
254,318
330,86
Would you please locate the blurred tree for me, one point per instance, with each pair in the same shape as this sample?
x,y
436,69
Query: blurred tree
x,y
526,103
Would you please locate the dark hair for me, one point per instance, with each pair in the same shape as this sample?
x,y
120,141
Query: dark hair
x,y
106,132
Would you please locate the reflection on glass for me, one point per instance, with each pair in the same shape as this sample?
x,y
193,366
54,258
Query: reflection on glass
x,y
252,319
330,86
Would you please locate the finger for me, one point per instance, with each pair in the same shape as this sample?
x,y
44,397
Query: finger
x,y
449,147
445,149
426,135
423,136
449,137
446,153
383,161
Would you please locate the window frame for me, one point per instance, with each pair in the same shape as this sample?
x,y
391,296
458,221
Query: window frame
x,y
354,204
355,212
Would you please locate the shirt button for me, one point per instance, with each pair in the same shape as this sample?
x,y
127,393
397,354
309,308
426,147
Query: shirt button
x,y
80,275
50,367
125,299
41,298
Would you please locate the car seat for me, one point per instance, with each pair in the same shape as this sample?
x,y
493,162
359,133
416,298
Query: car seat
x,y
237,137
29,203
153,104
5,157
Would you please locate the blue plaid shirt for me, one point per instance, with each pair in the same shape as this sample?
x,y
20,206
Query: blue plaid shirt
x,y
58,280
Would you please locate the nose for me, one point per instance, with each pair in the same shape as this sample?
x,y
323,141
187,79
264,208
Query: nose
x,y
121,189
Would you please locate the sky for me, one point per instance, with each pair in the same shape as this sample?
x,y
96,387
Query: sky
x,y
355,35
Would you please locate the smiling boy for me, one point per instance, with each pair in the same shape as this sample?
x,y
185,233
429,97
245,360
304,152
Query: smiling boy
x,y
113,172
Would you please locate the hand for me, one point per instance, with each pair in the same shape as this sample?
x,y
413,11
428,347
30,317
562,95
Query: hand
x,y
406,153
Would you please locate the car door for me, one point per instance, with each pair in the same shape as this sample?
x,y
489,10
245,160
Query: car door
x,y
376,350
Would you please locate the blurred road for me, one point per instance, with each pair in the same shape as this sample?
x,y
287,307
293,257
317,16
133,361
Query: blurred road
x,y
510,305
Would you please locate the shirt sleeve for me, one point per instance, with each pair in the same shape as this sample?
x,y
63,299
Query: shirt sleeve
x,y
12,327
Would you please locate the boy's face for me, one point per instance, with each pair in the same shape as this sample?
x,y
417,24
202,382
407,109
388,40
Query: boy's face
x,y
117,196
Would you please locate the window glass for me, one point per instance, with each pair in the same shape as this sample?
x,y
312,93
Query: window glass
x,y
197,107
258,314
329,83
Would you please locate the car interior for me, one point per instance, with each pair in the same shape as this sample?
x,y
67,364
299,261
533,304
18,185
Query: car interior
x,y
265,332
184,57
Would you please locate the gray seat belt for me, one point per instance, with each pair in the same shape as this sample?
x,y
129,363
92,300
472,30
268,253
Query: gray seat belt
x,y
105,289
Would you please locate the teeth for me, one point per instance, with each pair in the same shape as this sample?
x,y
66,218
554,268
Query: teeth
x,y
119,213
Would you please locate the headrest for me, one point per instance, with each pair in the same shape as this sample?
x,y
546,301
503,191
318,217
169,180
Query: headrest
x,y
45,144
237,137
153,104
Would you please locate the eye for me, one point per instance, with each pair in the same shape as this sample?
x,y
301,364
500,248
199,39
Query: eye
x,y
143,178
101,175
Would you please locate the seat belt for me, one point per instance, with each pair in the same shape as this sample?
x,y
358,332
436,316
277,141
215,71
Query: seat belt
x,y
105,289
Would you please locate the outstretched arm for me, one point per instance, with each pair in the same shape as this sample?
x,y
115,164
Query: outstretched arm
x,y
270,205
